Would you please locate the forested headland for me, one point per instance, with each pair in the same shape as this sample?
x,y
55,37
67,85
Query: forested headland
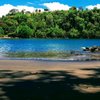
x,y
72,23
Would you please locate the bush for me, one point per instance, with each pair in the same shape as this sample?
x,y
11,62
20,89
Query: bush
x,y
24,31
1,32
74,33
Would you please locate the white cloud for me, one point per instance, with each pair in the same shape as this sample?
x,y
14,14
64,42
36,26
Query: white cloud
x,y
27,8
4,9
92,6
56,6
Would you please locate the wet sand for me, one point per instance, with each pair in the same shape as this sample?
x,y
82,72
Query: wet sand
x,y
57,80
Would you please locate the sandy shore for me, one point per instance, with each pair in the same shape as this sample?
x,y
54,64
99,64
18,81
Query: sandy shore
x,y
80,78
29,65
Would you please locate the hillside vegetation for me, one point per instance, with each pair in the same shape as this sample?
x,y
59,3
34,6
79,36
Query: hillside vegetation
x,y
71,23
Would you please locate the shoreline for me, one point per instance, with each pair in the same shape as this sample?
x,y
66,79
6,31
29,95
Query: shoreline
x,y
51,59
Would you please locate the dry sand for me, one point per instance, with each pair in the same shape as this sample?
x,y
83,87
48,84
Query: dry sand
x,y
32,65
83,77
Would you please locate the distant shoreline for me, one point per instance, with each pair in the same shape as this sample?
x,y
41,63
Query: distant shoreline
x,y
6,37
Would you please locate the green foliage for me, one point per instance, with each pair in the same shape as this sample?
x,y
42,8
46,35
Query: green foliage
x,y
24,31
55,32
1,32
71,23
73,33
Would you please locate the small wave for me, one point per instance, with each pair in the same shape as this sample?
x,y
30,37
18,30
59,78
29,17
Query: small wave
x,y
69,59
51,56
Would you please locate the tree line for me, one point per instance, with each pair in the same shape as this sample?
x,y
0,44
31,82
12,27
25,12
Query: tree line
x,y
72,23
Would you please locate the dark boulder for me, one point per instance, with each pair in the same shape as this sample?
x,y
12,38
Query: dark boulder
x,y
92,49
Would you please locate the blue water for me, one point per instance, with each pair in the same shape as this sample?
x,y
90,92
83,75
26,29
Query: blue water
x,y
45,45
42,45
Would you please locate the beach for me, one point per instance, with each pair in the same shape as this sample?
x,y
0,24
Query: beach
x,y
49,80
35,65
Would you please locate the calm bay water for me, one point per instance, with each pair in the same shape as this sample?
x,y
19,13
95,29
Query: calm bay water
x,y
8,46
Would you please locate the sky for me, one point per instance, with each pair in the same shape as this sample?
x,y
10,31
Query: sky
x,y
31,5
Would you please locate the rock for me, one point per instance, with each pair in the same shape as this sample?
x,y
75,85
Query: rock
x,y
92,49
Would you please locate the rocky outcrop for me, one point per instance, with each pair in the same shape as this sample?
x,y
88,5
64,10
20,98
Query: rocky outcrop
x,y
92,49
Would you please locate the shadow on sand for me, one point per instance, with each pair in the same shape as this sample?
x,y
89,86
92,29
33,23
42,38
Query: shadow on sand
x,y
49,85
